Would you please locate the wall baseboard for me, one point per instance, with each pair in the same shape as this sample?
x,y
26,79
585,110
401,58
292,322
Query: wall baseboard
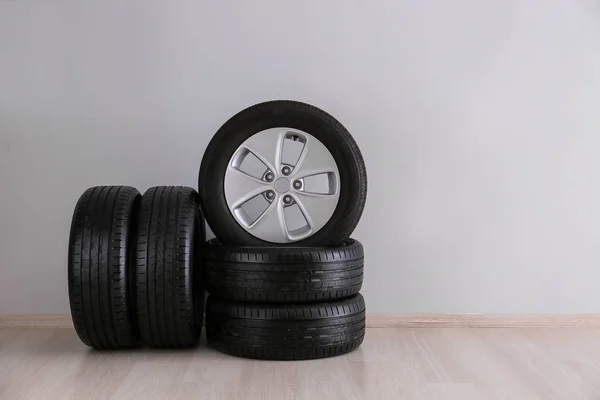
x,y
37,320
377,320
482,320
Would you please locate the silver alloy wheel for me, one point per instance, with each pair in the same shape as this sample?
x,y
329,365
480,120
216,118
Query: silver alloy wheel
x,y
282,196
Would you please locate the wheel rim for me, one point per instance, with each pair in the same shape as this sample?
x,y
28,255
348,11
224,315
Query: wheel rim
x,y
282,185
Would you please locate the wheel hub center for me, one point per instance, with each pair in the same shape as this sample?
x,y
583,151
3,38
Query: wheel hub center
x,y
282,185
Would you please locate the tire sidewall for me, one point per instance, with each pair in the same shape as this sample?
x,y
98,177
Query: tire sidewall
x,y
252,121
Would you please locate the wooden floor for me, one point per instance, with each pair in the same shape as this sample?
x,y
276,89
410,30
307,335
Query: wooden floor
x,y
399,363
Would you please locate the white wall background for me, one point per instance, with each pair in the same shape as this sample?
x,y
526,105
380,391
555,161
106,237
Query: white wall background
x,y
479,122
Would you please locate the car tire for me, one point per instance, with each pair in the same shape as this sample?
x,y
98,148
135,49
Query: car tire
x,y
283,274
285,332
170,295
99,266
285,115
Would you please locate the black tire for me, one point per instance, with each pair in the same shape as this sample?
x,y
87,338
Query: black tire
x,y
283,274
290,114
285,332
99,266
170,297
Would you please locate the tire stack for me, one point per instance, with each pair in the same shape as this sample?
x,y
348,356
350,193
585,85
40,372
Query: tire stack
x,y
282,185
294,295
281,303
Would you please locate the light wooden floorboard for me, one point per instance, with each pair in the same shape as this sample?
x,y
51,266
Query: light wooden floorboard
x,y
392,363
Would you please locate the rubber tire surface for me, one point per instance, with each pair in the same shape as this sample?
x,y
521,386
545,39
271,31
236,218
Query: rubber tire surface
x,y
169,292
289,114
99,266
285,332
283,274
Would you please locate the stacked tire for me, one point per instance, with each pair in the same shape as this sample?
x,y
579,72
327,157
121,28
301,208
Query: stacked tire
x,y
283,290
169,291
282,185
133,270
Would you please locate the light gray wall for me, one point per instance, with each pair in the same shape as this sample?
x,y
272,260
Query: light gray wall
x,y
479,122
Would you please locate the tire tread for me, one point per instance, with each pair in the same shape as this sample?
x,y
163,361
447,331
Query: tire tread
x,y
282,275
99,264
285,332
170,224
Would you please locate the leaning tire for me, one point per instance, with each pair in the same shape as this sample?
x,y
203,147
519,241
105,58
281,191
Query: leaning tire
x,y
169,293
332,221
283,274
99,267
283,332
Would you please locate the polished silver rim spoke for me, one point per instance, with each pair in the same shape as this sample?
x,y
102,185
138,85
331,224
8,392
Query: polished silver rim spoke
x,y
271,223
314,159
241,187
277,200
315,207
267,147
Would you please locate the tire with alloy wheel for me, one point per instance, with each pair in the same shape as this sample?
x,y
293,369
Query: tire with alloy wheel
x,y
170,296
285,332
283,274
282,172
99,266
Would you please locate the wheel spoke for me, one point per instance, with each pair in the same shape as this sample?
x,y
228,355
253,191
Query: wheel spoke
x,y
317,208
241,187
315,159
270,226
267,147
